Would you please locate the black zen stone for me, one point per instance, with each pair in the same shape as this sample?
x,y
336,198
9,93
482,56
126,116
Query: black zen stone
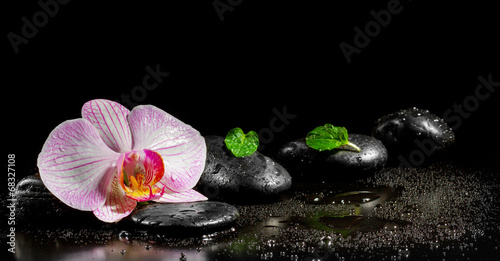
x,y
193,215
411,130
373,154
304,161
36,205
246,177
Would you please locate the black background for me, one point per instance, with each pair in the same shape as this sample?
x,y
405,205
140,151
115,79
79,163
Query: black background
x,y
263,55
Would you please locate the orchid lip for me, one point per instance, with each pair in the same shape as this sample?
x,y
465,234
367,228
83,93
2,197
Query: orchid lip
x,y
139,173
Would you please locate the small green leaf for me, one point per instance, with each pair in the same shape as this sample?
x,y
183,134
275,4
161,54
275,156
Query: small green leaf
x,y
328,137
241,144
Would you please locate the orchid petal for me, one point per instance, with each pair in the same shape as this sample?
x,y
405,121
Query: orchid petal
x,y
190,195
153,167
182,147
129,168
76,166
110,119
117,205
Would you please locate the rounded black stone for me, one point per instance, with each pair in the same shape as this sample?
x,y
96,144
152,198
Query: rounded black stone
x,y
251,176
199,215
413,129
35,204
302,160
373,154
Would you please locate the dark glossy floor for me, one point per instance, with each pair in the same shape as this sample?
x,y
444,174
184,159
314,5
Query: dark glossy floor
x,y
444,210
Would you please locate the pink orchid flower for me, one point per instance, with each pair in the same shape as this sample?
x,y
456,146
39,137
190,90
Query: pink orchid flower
x,y
113,158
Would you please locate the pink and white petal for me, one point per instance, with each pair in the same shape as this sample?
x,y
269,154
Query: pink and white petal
x,y
182,147
117,205
153,167
175,197
76,165
110,119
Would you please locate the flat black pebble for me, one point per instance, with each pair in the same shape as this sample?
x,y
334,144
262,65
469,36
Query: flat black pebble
x,y
228,177
199,215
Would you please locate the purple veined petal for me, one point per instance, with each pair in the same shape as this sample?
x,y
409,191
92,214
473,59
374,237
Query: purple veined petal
x,y
190,195
182,147
76,166
154,168
110,119
117,205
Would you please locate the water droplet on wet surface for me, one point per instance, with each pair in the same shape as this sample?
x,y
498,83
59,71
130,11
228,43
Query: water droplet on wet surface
x,y
354,197
391,227
341,222
424,212
59,160
124,236
183,257
62,148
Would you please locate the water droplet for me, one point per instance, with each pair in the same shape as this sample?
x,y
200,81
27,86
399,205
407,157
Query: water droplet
x,y
124,236
313,198
341,222
183,257
326,240
391,226
354,197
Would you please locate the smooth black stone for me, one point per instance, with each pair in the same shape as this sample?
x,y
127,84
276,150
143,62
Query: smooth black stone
x,y
248,177
194,215
300,159
413,129
35,204
373,154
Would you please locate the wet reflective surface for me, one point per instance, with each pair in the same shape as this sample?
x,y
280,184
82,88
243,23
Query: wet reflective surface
x,y
438,212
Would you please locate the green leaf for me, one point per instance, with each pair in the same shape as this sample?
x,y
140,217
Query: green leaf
x,y
328,137
241,144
